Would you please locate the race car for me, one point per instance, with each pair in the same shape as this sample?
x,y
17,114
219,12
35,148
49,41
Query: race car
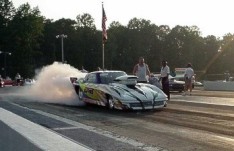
x,y
117,90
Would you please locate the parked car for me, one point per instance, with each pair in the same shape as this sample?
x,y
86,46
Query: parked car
x,y
194,82
174,85
8,81
117,90
29,81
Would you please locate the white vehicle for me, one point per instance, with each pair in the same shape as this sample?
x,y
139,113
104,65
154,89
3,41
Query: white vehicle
x,y
117,90
174,85
29,81
180,76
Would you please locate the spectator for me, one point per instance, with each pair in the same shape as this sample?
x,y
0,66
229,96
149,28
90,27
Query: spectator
x,y
17,79
165,71
99,69
17,76
83,70
188,77
141,70
227,76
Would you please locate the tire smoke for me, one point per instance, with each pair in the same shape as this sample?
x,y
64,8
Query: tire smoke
x,y
53,85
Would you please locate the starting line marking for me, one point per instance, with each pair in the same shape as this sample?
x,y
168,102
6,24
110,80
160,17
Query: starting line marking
x,y
38,135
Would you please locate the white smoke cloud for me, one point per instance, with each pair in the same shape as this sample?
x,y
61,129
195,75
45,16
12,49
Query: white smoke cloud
x,y
53,85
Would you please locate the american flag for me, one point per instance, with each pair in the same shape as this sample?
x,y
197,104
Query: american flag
x,y
104,19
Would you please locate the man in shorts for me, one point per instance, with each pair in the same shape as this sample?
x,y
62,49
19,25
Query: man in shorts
x,y
188,77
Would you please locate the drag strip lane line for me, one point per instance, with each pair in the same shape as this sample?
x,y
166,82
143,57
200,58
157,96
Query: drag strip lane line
x,y
65,128
38,135
210,137
158,127
99,131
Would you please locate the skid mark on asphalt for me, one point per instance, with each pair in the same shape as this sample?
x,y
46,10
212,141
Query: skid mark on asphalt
x,y
120,142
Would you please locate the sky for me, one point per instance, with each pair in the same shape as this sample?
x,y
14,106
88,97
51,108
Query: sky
x,y
213,17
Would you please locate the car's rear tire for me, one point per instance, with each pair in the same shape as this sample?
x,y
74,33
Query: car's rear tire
x,y
110,102
77,89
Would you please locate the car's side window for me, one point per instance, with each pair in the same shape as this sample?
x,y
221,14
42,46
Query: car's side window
x,y
91,78
104,78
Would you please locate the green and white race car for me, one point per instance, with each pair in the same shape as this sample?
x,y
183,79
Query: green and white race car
x,y
117,90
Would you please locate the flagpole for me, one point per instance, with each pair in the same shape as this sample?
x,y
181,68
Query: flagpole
x,y
104,36
103,44
103,56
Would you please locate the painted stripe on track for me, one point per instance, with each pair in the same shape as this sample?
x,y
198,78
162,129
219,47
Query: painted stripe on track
x,y
38,135
102,132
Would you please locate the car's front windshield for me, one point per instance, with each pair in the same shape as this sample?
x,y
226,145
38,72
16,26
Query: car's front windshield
x,y
109,77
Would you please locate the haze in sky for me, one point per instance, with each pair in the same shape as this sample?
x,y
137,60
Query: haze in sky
x,y
213,17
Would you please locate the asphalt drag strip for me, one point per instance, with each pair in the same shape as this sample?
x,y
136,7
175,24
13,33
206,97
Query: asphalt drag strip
x,y
216,101
10,140
33,136
76,132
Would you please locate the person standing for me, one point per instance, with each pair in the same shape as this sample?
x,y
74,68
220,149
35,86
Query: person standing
x,y
83,70
1,82
165,71
188,77
141,70
18,79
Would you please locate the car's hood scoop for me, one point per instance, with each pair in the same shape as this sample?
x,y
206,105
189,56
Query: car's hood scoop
x,y
127,80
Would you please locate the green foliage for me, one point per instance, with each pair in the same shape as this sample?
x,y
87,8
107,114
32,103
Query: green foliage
x,y
31,38
6,13
85,21
24,34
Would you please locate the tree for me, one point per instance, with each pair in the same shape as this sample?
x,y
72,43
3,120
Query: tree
x,y
211,47
53,44
6,12
226,51
88,42
142,40
158,50
183,43
116,46
85,21
31,39
26,33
